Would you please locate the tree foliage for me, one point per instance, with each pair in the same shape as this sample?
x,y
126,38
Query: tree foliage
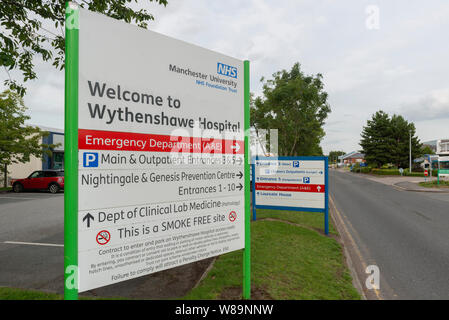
x,y
333,156
427,150
35,28
386,139
18,141
296,105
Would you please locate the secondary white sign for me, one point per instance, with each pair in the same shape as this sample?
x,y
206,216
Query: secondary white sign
x,y
161,152
290,183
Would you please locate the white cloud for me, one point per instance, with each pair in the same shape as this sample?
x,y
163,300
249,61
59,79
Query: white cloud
x,y
433,106
400,68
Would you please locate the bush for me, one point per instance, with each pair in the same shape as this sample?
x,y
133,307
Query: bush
x,y
366,169
386,172
395,172
358,169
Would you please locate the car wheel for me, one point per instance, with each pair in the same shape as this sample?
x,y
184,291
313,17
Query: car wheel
x,y
53,188
17,187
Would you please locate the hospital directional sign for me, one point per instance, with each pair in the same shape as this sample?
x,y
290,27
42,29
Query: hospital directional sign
x,y
155,152
291,183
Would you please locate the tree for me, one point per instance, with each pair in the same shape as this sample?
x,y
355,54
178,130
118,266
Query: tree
x,y
18,141
427,150
333,156
386,139
296,105
25,33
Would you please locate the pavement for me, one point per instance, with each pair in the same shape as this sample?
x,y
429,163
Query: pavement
x,y
413,186
402,182
32,252
404,233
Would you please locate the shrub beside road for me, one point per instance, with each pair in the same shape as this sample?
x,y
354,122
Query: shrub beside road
x,y
390,172
434,184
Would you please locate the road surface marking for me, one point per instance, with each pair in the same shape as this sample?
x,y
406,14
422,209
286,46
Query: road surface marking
x,y
18,198
35,244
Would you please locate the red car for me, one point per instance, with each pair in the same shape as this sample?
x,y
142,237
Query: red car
x,y
52,180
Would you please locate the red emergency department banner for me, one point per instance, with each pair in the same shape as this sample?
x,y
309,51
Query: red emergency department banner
x,y
128,141
290,187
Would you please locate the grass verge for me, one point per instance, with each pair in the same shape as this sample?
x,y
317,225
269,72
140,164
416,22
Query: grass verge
x,y
26,294
288,262
22,294
434,184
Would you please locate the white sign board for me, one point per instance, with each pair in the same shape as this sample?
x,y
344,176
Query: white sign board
x,y
161,152
296,184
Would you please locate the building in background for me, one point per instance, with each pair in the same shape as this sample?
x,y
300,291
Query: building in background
x,y
440,147
351,158
56,161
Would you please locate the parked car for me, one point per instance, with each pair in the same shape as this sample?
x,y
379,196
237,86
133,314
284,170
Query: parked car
x,y
52,180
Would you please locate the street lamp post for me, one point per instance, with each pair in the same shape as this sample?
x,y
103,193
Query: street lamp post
x,y
410,147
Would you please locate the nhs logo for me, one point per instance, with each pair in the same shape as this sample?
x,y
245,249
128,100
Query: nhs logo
x,y
226,70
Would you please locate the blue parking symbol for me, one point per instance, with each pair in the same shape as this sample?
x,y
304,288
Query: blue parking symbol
x,y
306,179
295,164
90,159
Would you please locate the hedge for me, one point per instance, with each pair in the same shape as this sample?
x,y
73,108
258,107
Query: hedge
x,y
395,172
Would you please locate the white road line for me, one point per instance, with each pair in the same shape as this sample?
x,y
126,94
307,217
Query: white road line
x,y
35,244
18,198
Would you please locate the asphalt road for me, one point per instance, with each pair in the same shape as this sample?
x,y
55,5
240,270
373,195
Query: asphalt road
x,y
35,218
406,234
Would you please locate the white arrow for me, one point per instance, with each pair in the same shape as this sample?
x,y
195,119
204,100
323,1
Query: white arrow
x,y
236,147
319,188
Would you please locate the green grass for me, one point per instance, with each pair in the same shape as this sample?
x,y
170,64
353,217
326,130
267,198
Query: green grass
x,y
288,262
5,189
307,219
434,184
21,294
26,294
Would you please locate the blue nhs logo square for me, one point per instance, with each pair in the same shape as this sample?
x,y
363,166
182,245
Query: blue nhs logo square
x,y
90,159
295,164
226,70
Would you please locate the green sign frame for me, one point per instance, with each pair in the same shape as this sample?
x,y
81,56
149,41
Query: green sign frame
x,y
71,161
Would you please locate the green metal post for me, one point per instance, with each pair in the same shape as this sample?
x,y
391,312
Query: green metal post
x,y
71,154
247,252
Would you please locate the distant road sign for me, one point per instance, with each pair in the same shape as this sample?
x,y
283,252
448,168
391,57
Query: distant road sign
x,y
291,183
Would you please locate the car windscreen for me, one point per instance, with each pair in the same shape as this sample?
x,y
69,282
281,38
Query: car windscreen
x,y
48,174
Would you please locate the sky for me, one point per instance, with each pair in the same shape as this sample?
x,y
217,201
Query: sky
x,y
373,55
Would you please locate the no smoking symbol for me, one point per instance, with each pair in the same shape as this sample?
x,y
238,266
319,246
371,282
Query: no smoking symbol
x,y
232,216
103,237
